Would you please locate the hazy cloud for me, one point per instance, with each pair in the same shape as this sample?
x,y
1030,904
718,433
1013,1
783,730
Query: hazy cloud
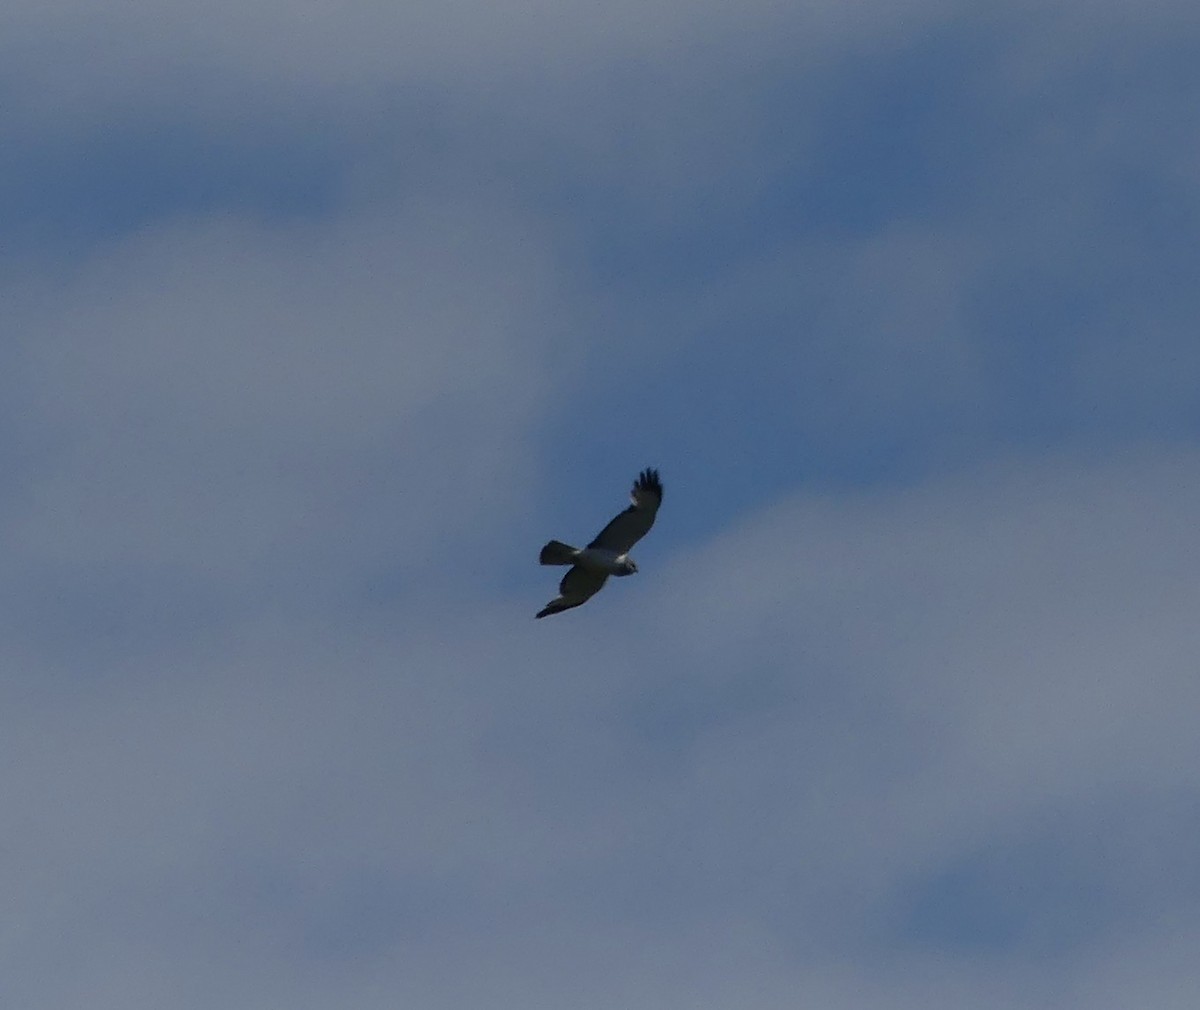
x,y
320,321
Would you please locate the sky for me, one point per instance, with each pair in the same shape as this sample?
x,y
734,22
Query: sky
x,y
320,319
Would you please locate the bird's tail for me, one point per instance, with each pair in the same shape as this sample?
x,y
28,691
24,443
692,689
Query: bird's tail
x,y
558,553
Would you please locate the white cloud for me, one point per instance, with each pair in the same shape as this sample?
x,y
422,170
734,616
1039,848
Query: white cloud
x,y
712,802
277,729
273,46
223,396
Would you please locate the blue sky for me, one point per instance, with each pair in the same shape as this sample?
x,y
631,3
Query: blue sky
x,y
319,321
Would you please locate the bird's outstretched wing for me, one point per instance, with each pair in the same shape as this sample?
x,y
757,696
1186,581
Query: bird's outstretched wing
x,y
578,586
628,527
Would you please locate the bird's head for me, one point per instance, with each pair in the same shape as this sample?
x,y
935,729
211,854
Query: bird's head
x,y
626,565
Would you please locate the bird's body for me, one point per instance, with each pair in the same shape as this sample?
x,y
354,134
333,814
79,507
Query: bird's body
x,y
608,553
595,559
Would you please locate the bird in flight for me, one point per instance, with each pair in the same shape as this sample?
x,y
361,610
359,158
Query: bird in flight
x,y
608,554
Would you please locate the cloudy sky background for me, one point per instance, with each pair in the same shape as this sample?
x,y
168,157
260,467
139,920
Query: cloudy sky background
x,y
320,319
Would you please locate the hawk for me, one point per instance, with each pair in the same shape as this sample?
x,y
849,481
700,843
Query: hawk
x,y
608,554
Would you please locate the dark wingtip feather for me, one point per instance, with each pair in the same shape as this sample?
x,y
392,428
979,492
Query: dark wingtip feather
x,y
648,481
